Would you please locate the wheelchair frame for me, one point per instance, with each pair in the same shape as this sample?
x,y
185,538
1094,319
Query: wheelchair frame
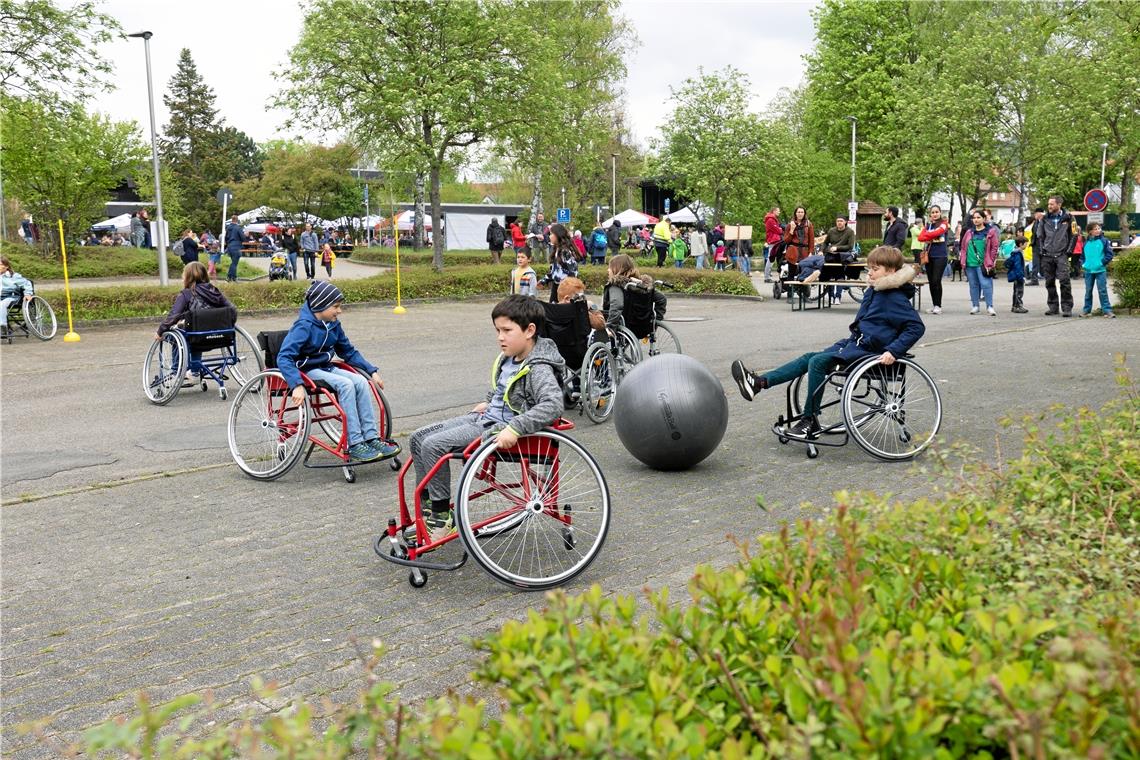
x,y
627,347
872,413
595,394
535,495
22,314
173,354
320,407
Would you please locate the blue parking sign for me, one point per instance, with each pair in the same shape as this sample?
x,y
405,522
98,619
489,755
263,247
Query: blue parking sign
x,y
563,216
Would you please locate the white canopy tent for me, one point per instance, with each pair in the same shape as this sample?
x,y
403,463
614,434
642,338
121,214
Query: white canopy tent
x,y
631,218
683,216
278,217
117,223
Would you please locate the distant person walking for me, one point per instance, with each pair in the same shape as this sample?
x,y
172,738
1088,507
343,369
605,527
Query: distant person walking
x,y
613,238
538,236
138,236
496,236
661,240
26,230
1053,243
934,254
699,245
773,234
310,244
235,235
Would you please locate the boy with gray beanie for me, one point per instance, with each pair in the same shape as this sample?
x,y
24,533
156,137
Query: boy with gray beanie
x,y
313,342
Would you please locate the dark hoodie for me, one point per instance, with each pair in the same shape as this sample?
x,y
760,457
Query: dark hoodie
x,y
886,320
202,296
314,344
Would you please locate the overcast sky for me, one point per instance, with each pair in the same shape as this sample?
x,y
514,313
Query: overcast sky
x,y
238,44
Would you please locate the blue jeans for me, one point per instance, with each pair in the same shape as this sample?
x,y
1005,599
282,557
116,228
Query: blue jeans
x,y
1101,280
745,263
293,262
816,364
678,263
980,285
355,399
234,259
700,262
809,265
767,262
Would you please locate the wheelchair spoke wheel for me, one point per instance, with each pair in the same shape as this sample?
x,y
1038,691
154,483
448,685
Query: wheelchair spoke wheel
x,y
245,359
626,350
598,383
40,318
266,431
165,368
665,341
536,515
898,413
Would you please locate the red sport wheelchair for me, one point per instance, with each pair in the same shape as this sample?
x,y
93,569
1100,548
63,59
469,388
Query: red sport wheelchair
x,y
267,432
534,516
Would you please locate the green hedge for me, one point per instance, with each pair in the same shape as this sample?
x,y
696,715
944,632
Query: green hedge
x,y
997,618
1125,270
418,282
99,261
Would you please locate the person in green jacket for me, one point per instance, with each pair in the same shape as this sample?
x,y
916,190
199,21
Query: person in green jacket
x,y
677,249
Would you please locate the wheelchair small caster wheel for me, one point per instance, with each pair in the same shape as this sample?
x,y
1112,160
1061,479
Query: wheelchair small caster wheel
x,y
568,539
813,452
418,578
204,387
223,394
782,440
395,464
349,475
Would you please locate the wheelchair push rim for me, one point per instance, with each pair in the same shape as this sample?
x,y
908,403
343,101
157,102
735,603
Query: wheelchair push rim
x,y
900,413
39,318
245,361
598,383
164,368
534,516
626,350
266,431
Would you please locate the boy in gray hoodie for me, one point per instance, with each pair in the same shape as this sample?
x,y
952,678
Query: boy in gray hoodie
x,y
525,396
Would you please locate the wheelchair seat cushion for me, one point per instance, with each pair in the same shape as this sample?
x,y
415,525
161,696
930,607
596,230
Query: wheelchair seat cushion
x,y
270,343
208,329
568,325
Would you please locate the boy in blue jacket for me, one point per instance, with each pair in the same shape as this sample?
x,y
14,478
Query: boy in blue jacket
x,y
314,340
886,326
1015,273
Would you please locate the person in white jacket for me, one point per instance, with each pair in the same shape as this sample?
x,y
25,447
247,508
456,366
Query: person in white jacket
x,y
699,244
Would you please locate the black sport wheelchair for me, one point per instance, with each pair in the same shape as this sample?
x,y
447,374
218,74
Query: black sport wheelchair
x,y
642,332
207,347
892,412
589,379
33,317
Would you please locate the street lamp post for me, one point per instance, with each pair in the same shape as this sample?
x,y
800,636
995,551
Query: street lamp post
x,y
1103,159
852,119
160,222
613,186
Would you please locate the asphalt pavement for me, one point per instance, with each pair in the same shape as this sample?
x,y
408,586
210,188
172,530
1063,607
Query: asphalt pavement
x,y
136,556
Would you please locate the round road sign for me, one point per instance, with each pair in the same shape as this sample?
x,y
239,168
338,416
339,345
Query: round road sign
x,y
1096,199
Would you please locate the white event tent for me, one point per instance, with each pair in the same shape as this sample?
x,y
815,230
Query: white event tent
x,y
631,218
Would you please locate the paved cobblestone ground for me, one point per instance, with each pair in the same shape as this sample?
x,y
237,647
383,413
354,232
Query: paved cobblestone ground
x,y
129,580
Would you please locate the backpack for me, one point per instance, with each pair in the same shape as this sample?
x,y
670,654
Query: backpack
x,y
497,236
600,240
176,249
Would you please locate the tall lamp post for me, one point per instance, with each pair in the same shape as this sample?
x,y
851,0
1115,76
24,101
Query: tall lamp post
x,y
613,186
1103,159
160,222
852,119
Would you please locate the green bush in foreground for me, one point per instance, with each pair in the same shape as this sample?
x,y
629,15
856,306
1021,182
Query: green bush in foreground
x,y
1125,271
1000,620
416,282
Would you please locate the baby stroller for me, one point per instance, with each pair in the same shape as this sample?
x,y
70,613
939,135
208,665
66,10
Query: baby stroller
x,y
279,267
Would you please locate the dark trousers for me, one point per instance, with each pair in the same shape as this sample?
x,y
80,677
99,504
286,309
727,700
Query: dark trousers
x,y
662,250
310,264
935,268
1018,292
1056,270
234,259
817,364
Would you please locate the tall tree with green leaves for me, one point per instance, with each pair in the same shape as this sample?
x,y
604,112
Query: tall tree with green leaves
x,y
53,53
200,151
62,162
301,179
416,85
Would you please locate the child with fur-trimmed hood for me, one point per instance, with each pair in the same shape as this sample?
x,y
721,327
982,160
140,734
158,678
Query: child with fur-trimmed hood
x,y
886,326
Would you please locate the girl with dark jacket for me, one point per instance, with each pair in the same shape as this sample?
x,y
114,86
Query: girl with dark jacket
x,y
563,259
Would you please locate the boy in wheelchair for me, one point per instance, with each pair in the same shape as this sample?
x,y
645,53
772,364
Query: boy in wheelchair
x,y
886,325
525,396
12,285
314,340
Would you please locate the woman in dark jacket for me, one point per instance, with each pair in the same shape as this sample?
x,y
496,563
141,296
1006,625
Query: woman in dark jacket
x,y
197,293
799,234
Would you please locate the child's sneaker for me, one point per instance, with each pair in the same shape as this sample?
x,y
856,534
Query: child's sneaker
x,y
934,310
1084,314
806,428
974,310
811,277
362,452
440,524
384,449
744,380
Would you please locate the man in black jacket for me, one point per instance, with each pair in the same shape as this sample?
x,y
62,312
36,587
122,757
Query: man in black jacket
x,y
613,238
1053,242
895,236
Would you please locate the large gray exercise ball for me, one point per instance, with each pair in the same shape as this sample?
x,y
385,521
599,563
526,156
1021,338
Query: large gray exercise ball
x,y
670,412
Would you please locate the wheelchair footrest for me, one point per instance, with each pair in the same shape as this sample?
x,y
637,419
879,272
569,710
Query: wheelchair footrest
x,y
413,563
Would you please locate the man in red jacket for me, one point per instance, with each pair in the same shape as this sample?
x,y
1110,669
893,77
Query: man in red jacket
x,y
773,233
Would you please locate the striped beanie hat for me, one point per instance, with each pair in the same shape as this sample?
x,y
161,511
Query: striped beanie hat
x,y
322,294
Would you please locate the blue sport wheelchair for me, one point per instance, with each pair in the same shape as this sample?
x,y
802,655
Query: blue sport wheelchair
x,y
208,346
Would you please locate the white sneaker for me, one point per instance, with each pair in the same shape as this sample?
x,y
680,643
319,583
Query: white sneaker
x,y
990,311
974,310
934,310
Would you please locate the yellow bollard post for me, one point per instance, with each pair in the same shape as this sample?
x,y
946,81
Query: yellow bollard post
x,y
396,231
72,336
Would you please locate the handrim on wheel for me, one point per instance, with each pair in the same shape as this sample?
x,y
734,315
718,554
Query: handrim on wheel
x,y
267,432
40,318
597,382
247,358
665,341
901,413
164,368
555,497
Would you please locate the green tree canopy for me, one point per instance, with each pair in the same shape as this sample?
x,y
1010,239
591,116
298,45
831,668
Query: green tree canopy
x,y
301,179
